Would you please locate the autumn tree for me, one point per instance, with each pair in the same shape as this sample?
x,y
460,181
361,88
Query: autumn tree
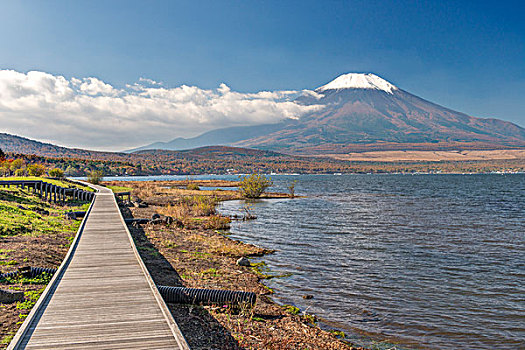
x,y
56,172
36,169
254,185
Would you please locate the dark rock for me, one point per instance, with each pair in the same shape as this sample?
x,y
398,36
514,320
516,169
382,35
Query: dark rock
x,y
244,262
71,216
137,221
140,204
161,219
10,296
168,220
308,296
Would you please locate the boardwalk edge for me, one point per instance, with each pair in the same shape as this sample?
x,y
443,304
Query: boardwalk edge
x,y
179,337
48,292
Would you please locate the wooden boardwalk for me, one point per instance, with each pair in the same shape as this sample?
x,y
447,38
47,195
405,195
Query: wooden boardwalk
x,y
102,296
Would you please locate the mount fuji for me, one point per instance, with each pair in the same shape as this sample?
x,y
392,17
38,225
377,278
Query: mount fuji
x,y
364,112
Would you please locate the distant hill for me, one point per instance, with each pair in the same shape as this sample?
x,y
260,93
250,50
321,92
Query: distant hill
x,y
226,159
226,136
21,145
364,112
203,160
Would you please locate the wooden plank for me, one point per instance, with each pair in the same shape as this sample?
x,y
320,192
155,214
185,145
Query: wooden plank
x,y
103,298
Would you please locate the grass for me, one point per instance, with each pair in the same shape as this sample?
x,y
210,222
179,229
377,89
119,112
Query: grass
x,y
18,219
117,189
192,206
48,180
263,272
33,232
213,272
339,334
31,299
222,246
291,309
41,279
10,262
19,216
7,339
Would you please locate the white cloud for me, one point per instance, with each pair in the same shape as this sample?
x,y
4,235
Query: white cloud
x,y
90,113
149,81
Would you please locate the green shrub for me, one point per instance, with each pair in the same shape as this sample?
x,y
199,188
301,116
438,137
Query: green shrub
x,y
193,187
17,164
254,185
20,172
56,172
217,222
95,177
36,169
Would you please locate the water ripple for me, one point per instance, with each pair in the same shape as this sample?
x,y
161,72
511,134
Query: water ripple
x,y
427,261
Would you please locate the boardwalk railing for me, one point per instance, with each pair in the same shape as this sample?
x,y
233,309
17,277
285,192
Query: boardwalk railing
x,y
51,192
36,312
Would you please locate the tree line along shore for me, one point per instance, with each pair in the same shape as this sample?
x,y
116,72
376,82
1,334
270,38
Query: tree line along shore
x,y
225,160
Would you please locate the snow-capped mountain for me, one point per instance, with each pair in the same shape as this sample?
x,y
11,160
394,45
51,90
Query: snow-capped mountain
x,y
358,81
366,110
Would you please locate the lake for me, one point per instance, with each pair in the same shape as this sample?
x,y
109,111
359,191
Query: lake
x,y
420,261
426,261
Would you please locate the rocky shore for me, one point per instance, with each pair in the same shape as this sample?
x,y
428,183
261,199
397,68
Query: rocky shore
x,y
192,249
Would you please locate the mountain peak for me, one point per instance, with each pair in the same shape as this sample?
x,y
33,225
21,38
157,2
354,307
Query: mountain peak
x,y
359,81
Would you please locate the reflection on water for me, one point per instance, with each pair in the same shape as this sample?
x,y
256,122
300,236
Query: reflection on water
x,y
427,261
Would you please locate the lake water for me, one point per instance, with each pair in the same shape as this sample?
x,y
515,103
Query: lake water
x,y
426,261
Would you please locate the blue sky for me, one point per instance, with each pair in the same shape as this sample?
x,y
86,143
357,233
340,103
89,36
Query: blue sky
x,y
465,55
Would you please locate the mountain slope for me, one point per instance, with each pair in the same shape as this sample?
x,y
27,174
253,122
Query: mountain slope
x,y
366,112
21,145
226,136
368,116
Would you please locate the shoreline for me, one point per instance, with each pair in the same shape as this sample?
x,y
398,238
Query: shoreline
x,y
170,178
208,260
